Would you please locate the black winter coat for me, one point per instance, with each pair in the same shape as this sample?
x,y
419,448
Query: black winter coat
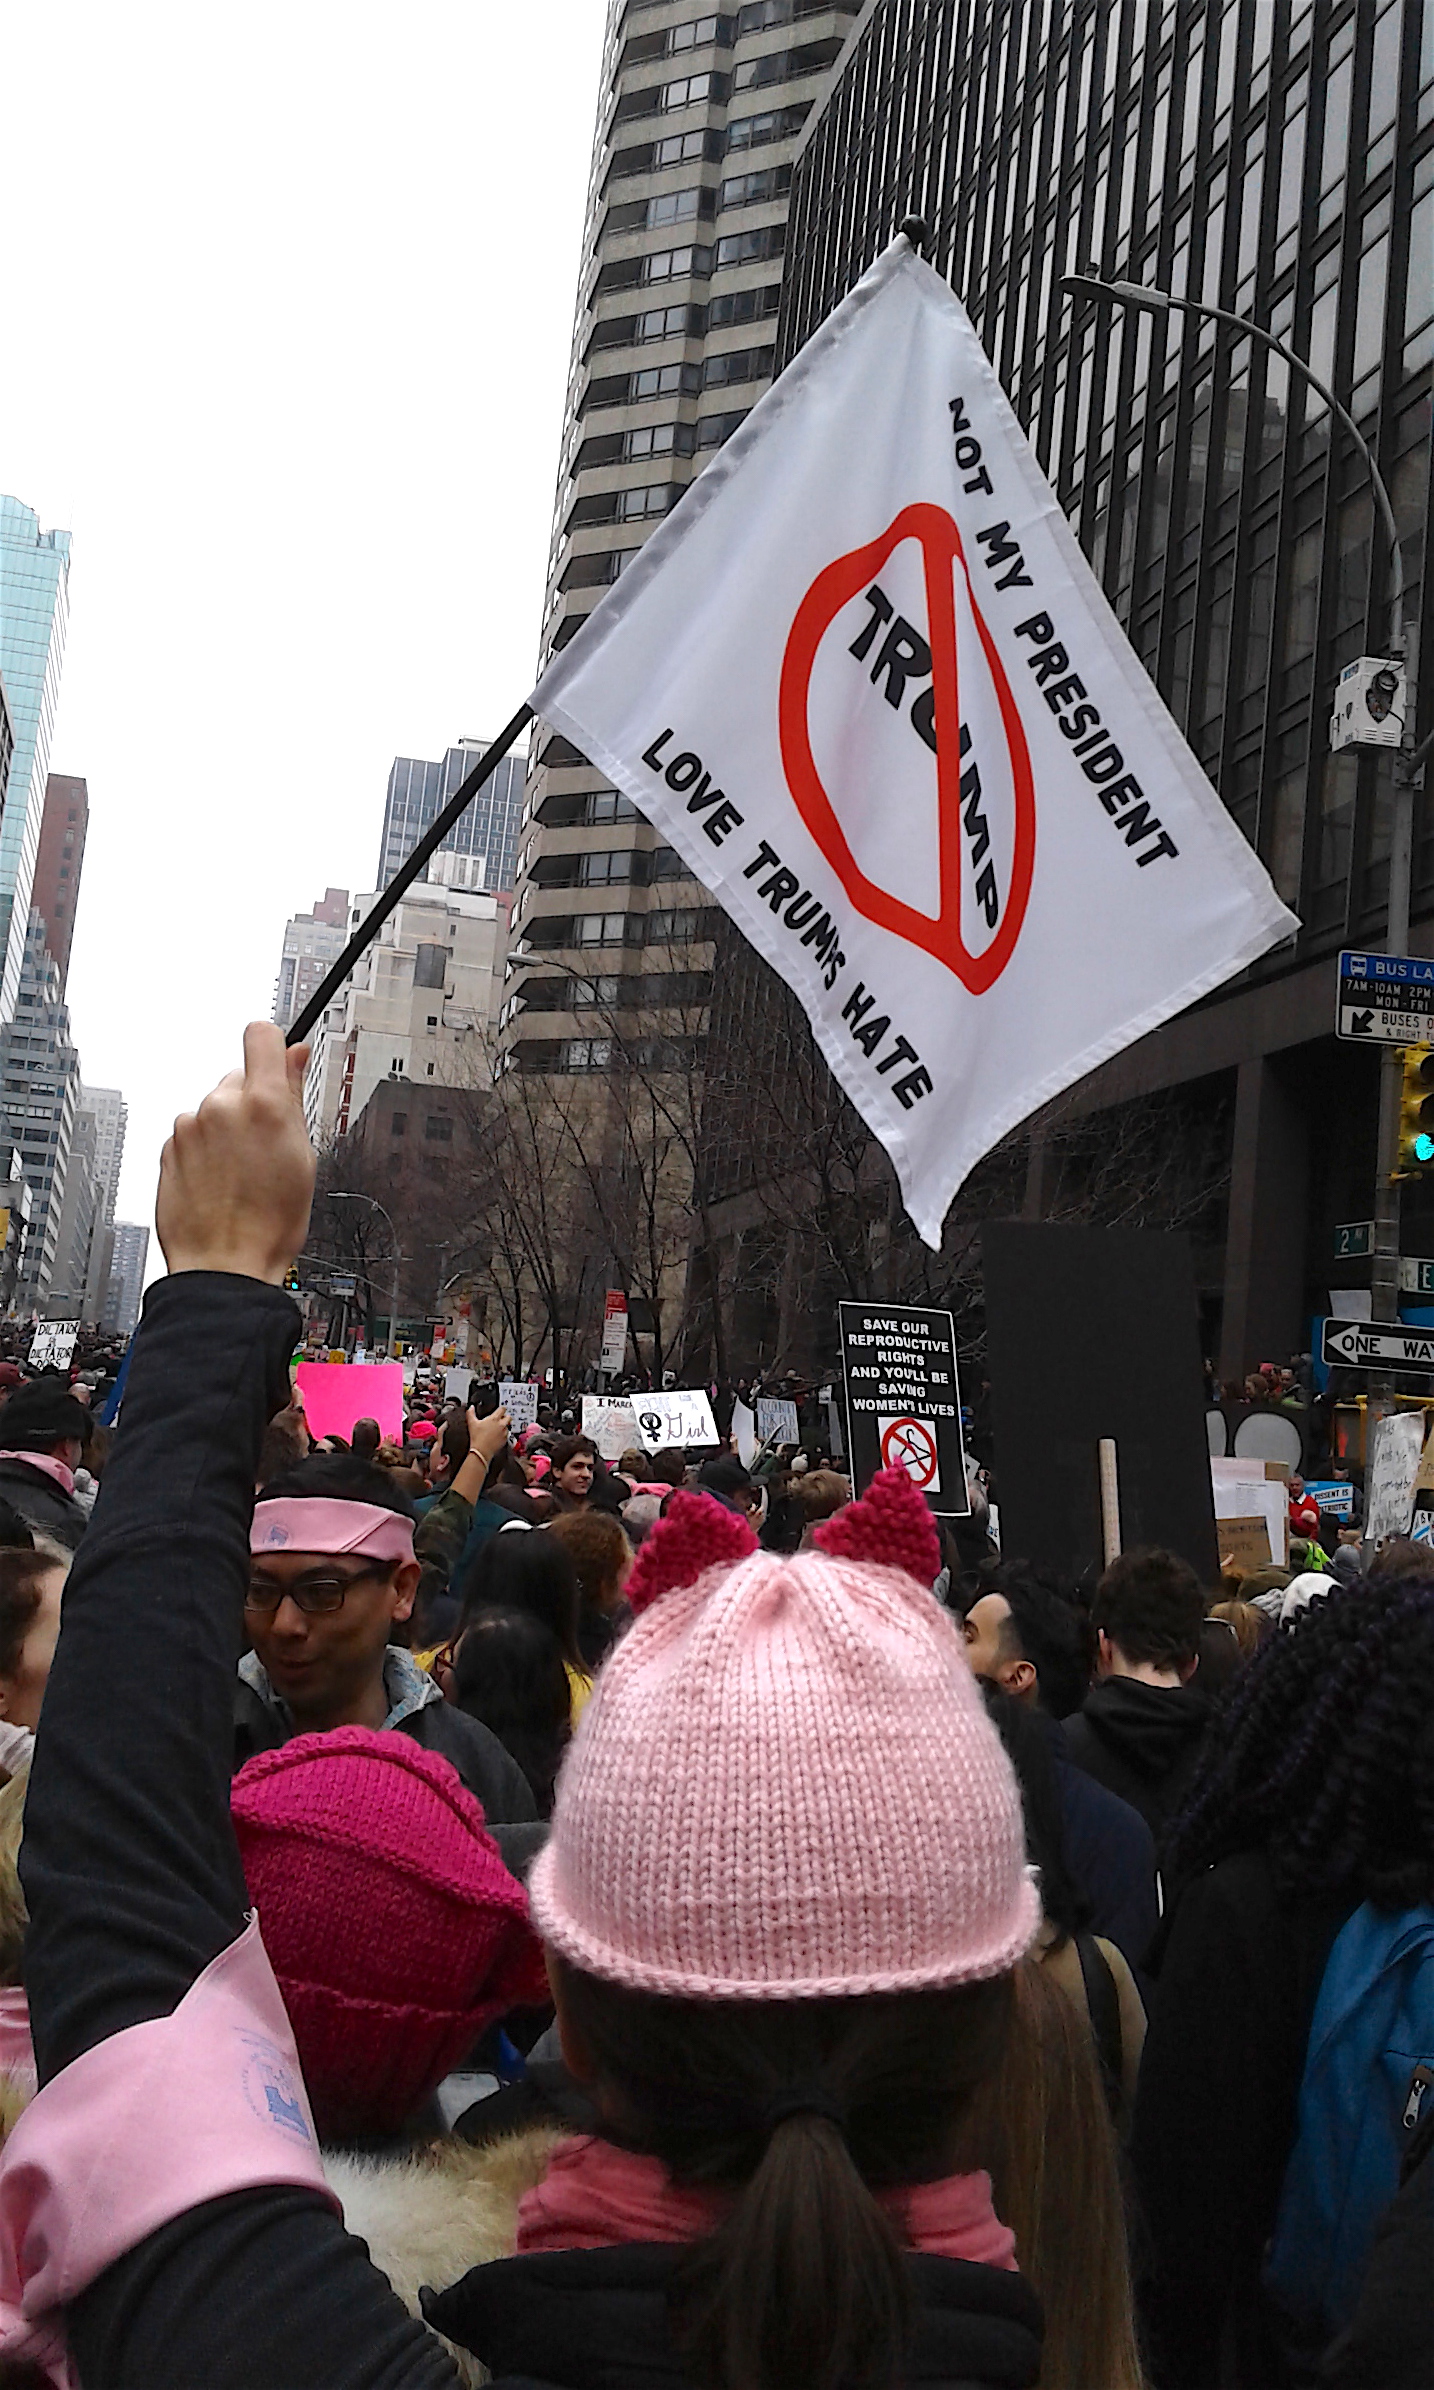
x,y
1142,1742
486,1766
42,1503
1238,1976
596,2319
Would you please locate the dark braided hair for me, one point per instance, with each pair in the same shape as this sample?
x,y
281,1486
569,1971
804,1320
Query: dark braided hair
x,y
1323,1756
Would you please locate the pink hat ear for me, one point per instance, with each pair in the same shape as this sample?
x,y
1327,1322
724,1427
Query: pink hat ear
x,y
694,1534
890,1524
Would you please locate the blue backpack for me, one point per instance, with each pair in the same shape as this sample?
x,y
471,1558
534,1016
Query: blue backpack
x,y
1368,2080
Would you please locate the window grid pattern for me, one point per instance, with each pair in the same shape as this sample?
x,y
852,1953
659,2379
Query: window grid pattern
x,y
1274,160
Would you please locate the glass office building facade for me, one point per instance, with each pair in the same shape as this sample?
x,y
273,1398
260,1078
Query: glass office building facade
x,y
481,851
1272,157
34,616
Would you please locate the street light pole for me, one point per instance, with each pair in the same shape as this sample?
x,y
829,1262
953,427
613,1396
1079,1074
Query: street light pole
x,y
374,1205
1384,1271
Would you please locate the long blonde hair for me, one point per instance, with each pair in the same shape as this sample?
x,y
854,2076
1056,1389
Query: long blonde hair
x,y
1041,2128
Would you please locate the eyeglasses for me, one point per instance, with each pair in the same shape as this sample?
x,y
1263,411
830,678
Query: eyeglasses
x,y
316,1596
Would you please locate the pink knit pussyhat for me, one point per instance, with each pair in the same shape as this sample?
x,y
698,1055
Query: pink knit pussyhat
x,y
394,1929
785,1785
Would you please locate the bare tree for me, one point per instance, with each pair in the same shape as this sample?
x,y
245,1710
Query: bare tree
x,y
784,1144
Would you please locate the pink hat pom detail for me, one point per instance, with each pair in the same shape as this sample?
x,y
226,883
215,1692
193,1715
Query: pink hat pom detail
x,y
696,1533
890,1525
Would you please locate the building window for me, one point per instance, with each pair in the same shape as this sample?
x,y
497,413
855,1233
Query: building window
x,y
398,1124
673,265
765,182
439,1127
759,15
688,90
697,34
661,323
433,1020
676,207
744,306
430,1070
774,124
738,365
623,506
746,248
714,429
585,1053
656,439
595,572
675,149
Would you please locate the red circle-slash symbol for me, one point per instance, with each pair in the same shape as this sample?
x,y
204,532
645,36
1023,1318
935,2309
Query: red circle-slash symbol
x,y
910,1444
833,588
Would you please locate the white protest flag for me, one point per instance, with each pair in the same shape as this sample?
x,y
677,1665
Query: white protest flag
x,y
865,682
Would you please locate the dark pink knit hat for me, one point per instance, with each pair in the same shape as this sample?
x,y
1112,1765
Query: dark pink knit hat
x,y
395,1930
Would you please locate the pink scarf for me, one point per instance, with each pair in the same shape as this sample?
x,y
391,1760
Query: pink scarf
x,y
594,2195
46,1463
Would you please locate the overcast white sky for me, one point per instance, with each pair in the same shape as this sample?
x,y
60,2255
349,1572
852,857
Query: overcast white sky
x,y
287,295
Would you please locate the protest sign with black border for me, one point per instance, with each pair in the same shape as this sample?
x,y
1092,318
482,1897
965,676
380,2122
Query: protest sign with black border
x,y
903,1400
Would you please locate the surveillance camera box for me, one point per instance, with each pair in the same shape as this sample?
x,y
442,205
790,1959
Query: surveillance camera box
x,y
1368,704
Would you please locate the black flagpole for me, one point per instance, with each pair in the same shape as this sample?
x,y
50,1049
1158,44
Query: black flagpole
x,y
406,874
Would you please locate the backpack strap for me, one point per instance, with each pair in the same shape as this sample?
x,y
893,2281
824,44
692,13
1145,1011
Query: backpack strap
x,y
1103,2001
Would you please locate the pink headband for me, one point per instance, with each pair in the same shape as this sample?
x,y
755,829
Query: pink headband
x,y
290,1523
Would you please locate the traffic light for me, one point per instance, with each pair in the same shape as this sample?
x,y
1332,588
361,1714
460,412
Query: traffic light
x,y
291,1275
1416,1111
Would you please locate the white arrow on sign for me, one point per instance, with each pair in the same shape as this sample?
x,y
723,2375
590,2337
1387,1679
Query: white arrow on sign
x,y
1360,1344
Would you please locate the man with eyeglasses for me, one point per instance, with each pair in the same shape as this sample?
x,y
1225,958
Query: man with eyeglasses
x,y
331,1572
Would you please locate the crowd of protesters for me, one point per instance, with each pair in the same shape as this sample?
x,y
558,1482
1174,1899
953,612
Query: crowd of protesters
x,y
470,1911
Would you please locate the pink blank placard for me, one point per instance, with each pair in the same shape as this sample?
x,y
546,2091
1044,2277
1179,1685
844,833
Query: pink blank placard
x,y
336,1393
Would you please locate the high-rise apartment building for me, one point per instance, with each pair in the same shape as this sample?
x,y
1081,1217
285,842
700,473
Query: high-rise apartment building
x,y
312,941
111,1115
39,1100
1276,161
418,1007
81,1217
481,850
126,1286
64,825
681,279
34,616
86,1261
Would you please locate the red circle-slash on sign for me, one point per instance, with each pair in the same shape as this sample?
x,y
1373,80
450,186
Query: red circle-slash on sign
x,y
910,1444
941,551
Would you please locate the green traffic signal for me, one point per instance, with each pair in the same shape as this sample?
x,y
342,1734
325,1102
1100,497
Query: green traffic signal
x,y
1416,1110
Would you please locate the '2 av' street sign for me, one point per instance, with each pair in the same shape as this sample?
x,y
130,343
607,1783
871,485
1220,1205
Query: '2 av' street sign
x,y
1354,1241
1367,1344
1385,999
